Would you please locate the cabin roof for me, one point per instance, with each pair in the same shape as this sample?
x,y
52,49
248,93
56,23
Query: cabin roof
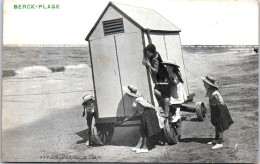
x,y
142,17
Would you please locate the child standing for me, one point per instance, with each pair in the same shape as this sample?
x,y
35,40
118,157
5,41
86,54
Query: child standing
x,y
89,110
220,117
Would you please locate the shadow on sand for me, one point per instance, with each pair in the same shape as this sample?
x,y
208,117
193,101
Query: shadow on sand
x,y
84,135
123,136
198,140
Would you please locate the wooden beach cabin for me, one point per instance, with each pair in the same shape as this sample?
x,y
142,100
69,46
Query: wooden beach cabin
x,y
116,44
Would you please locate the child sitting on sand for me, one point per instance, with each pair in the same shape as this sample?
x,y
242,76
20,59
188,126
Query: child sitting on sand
x,y
149,127
89,106
220,117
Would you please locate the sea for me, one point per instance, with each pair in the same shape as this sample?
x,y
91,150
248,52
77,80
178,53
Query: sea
x,y
46,64
34,61
41,80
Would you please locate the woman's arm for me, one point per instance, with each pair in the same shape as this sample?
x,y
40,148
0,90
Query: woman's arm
x,y
155,67
148,36
128,118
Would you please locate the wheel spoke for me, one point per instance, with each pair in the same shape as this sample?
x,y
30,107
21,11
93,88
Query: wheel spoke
x,y
105,137
99,132
104,133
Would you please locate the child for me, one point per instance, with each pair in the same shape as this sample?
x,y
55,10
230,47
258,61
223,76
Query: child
x,y
177,92
149,127
89,106
220,117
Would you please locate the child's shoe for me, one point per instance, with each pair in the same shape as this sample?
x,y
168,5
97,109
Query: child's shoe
x,y
177,115
217,146
175,118
89,143
212,142
135,149
142,151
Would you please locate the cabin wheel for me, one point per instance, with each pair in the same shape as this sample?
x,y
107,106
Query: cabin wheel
x,y
102,132
172,131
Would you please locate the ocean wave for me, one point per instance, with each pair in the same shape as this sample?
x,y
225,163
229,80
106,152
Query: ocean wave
x,y
42,70
78,66
57,69
33,70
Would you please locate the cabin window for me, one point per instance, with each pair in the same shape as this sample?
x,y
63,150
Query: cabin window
x,y
113,26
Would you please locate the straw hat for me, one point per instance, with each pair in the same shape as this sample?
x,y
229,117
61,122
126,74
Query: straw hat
x,y
144,102
210,80
132,91
87,98
170,62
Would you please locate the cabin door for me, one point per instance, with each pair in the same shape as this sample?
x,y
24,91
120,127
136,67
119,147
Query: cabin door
x,y
106,77
132,71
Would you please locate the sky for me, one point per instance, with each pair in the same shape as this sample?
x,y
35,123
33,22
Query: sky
x,y
202,22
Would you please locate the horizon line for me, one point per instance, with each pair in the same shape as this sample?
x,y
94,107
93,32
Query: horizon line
x,y
86,45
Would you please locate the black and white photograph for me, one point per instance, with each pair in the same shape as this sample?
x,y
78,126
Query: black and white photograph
x,y
143,81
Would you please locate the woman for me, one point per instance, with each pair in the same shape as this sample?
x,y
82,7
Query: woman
x,y
153,61
220,117
149,127
89,107
177,93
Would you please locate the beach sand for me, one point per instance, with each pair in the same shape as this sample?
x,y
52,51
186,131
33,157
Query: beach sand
x,y
35,128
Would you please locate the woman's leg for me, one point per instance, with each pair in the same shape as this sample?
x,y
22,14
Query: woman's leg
x,y
89,123
140,142
166,106
143,148
145,145
159,98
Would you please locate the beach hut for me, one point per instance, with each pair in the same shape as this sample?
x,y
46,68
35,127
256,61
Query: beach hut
x,y
116,44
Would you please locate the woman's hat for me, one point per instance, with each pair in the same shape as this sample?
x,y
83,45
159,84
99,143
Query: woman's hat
x,y
151,48
132,91
144,102
210,80
170,62
87,98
